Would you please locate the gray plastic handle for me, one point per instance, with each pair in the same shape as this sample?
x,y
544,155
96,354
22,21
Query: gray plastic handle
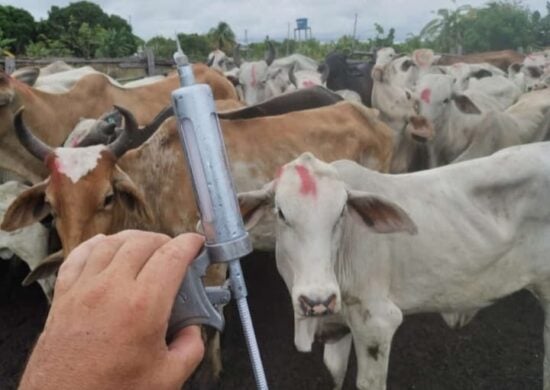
x,y
192,305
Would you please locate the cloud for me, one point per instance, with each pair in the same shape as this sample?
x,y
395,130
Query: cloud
x,y
329,19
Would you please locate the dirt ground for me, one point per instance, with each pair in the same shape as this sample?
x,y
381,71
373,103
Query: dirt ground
x,y
501,349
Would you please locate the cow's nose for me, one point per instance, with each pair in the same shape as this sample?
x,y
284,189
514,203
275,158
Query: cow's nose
x,y
311,307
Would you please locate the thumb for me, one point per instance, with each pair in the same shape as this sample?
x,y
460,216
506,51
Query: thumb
x,y
186,352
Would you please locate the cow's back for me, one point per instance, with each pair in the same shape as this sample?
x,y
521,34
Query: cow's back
x,y
482,228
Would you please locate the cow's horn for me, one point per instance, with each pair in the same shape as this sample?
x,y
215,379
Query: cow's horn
x,y
270,55
131,136
33,145
292,77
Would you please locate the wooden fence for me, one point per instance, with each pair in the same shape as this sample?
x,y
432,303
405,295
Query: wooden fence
x,y
147,62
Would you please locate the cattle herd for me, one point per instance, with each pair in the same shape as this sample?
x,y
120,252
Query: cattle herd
x,y
397,185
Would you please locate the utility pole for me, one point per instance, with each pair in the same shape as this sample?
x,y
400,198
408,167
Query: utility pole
x,y
354,33
288,39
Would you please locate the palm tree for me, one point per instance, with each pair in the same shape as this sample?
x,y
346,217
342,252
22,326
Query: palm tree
x,y
447,30
223,37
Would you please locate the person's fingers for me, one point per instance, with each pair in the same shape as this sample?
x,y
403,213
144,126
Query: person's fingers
x,y
72,267
136,250
102,255
185,352
161,276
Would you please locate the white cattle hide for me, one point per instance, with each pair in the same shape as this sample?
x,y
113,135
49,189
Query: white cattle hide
x,y
504,90
394,100
448,115
526,121
296,62
353,243
30,244
349,95
63,81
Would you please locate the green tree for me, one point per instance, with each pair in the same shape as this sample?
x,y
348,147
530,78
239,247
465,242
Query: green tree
x,y
500,25
86,31
47,49
18,26
161,46
541,27
222,37
381,39
196,46
115,43
446,31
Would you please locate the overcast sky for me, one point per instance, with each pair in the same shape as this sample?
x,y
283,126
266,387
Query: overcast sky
x,y
329,19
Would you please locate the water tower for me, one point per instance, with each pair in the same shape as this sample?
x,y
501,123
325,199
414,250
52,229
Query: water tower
x,y
302,26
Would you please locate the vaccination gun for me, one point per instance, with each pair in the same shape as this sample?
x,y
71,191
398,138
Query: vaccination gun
x,y
226,238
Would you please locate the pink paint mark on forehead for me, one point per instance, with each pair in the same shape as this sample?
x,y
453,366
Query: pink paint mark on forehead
x,y
308,84
308,185
426,95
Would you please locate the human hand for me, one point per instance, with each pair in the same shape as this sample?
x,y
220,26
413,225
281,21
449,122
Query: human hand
x,y
107,325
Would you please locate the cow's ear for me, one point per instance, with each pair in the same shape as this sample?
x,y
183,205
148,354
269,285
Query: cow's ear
x,y
534,71
27,75
465,105
29,207
380,214
514,68
254,204
378,74
47,267
130,197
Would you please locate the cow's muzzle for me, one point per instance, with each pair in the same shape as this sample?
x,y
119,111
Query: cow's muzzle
x,y
313,308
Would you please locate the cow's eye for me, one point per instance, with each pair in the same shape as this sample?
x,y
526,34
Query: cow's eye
x,y
281,216
108,201
446,101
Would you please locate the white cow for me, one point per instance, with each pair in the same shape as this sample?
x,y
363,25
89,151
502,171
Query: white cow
x,y
504,90
63,81
218,60
30,244
354,247
297,62
462,72
448,116
266,79
55,67
392,95
470,124
526,121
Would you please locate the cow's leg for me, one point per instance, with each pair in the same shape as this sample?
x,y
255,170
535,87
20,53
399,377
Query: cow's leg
x,y
336,356
373,325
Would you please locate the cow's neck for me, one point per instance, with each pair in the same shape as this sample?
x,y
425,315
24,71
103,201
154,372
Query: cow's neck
x,y
159,171
51,117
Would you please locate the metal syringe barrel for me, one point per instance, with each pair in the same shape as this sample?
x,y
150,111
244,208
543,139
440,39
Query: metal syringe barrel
x,y
226,237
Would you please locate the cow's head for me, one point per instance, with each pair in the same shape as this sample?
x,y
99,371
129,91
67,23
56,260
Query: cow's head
x,y
435,100
9,101
314,211
335,71
254,77
86,191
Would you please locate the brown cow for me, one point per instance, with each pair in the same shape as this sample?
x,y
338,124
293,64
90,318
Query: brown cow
x,y
53,116
104,189
501,59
